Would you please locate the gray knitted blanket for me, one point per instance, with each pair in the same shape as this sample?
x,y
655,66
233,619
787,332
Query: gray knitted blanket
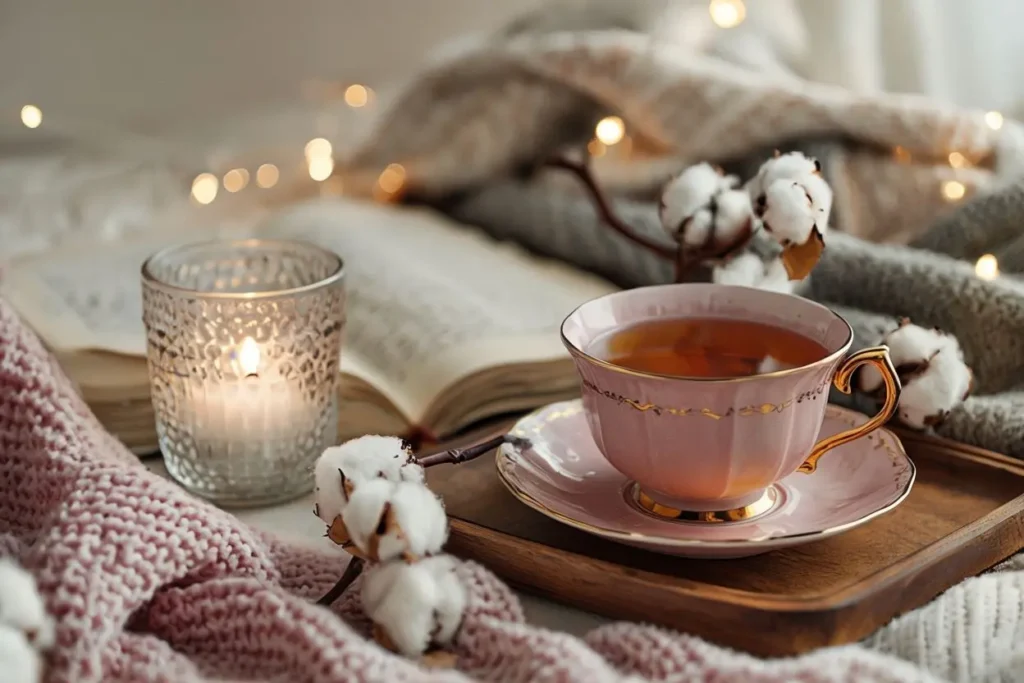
x,y
908,219
871,285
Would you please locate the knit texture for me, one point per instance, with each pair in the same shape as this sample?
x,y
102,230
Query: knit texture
x,y
467,129
147,583
489,112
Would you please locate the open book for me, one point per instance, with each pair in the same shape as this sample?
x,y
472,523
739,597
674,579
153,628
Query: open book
x,y
445,326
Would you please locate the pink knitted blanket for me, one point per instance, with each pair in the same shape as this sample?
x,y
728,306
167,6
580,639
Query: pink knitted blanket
x,y
147,583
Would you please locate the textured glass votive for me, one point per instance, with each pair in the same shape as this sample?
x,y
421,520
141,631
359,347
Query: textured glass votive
x,y
244,344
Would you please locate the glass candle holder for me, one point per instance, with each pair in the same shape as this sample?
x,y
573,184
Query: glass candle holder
x,y
244,347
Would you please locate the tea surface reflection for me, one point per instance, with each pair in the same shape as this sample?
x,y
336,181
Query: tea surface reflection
x,y
706,347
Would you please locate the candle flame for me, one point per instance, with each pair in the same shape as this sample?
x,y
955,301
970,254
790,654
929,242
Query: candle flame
x,y
249,356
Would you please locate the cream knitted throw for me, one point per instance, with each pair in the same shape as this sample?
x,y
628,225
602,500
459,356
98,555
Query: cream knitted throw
x,y
472,132
149,584
509,104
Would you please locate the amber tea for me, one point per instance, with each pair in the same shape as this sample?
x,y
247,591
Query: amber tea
x,y
706,347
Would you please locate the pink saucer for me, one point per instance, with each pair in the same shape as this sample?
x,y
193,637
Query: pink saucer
x,y
564,476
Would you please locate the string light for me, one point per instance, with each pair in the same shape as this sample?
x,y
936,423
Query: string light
x,y
236,179
987,267
204,188
727,13
320,168
267,175
392,178
958,160
318,148
357,95
610,130
994,120
31,116
953,190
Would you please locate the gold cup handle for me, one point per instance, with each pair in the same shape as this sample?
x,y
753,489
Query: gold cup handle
x,y
877,356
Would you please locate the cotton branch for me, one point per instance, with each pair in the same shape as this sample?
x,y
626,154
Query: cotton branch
x,y
371,493
456,456
352,572
683,256
604,208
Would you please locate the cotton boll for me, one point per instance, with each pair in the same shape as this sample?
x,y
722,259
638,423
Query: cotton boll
x,y
19,661
21,607
788,214
452,604
820,194
365,512
928,396
932,370
685,194
733,216
789,166
689,192
417,524
417,605
387,520
776,278
399,598
329,489
373,456
341,468
909,345
699,230
746,270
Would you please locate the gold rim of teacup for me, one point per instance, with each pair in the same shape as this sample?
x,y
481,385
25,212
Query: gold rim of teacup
x,y
501,459
594,360
642,502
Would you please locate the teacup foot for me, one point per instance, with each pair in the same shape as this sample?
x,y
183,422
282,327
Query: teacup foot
x,y
641,501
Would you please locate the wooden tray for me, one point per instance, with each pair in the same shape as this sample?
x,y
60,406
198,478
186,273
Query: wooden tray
x,y
964,514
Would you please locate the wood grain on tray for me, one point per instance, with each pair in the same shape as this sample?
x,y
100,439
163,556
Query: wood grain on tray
x,y
964,514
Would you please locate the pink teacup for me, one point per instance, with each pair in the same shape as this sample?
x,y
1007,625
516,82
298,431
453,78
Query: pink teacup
x,y
710,449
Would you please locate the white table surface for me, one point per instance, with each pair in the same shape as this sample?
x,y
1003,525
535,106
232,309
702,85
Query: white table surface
x,y
295,521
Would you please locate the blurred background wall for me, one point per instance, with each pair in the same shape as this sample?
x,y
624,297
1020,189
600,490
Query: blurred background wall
x,y
155,63
175,68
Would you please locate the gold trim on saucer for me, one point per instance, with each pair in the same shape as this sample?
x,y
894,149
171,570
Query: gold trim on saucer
x,y
636,497
503,462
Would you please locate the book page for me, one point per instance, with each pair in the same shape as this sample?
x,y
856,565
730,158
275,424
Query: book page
x,y
87,294
51,197
431,301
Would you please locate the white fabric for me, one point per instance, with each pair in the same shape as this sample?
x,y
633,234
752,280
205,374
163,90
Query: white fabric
x,y
964,52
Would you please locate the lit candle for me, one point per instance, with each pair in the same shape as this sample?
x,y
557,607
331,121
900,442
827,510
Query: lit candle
x,y
244,341
252,401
